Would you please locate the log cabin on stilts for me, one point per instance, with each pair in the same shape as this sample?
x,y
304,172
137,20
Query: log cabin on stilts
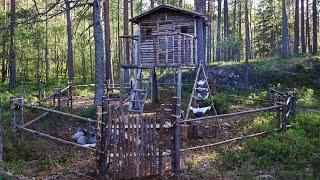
x,y
167,38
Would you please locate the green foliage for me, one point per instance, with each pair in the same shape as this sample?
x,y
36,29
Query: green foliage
x,y
268,25
47,163
19,166
286,152
307,98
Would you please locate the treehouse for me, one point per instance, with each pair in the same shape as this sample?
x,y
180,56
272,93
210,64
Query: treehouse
x,y
166,37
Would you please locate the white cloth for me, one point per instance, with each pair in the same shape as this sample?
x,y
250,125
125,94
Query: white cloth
x,y
202,110
201,82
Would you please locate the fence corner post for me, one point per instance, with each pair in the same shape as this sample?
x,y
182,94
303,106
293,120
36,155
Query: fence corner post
x,y
100,144
21,111
175,161
13,114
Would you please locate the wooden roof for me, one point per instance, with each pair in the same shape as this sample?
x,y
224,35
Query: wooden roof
x,y
161,7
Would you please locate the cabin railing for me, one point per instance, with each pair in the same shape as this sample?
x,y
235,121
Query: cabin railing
x,y
158,50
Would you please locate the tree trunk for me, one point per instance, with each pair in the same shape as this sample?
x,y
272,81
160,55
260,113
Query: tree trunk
x,y
225,18
285,33
218,31
154,93
314,27
46,46
70,48
99,55
4,64
247,45
126,43
296,28
234,13
209,48
180,3
200,8
308,27
12,53
303,39
239,29
109,68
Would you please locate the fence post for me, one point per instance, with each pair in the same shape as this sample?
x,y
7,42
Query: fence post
x,y
271,97
58,93
294,101
285,110
99,157
279,117
1,139
21,111
70,99
161,141
13,114
175,161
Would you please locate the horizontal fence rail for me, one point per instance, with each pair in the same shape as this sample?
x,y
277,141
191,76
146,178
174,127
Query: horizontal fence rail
x,y
56,112
233,114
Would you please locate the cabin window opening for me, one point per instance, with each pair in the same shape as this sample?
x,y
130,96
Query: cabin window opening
x,y
184,29
149,32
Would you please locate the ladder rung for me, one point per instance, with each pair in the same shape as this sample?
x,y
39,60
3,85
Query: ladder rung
x,y
142,78
135,111
141,101
139,90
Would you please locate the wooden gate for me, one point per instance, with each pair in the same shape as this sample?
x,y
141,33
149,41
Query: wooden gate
x,y
135,149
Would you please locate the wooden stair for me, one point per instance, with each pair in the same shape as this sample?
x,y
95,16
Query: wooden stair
x,y
139,94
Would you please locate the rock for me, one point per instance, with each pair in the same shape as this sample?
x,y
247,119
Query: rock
x,y
77,135
91,140
81,140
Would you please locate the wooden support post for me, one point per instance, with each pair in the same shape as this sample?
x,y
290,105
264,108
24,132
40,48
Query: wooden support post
x,y
121,90
13,114
179,49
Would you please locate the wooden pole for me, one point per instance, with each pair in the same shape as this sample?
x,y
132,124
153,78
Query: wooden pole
x,y
1,139
21,111
100,146
70,98
58,112
176,155
13,114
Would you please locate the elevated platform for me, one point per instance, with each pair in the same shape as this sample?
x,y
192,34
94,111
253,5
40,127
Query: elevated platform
x,y
163,50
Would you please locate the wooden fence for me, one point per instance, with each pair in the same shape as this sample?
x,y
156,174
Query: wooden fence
x,y
139,148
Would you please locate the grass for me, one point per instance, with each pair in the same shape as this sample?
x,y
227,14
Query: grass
x,y
279,155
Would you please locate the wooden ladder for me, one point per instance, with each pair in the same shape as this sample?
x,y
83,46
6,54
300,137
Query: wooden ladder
x,y
200,70
139,95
